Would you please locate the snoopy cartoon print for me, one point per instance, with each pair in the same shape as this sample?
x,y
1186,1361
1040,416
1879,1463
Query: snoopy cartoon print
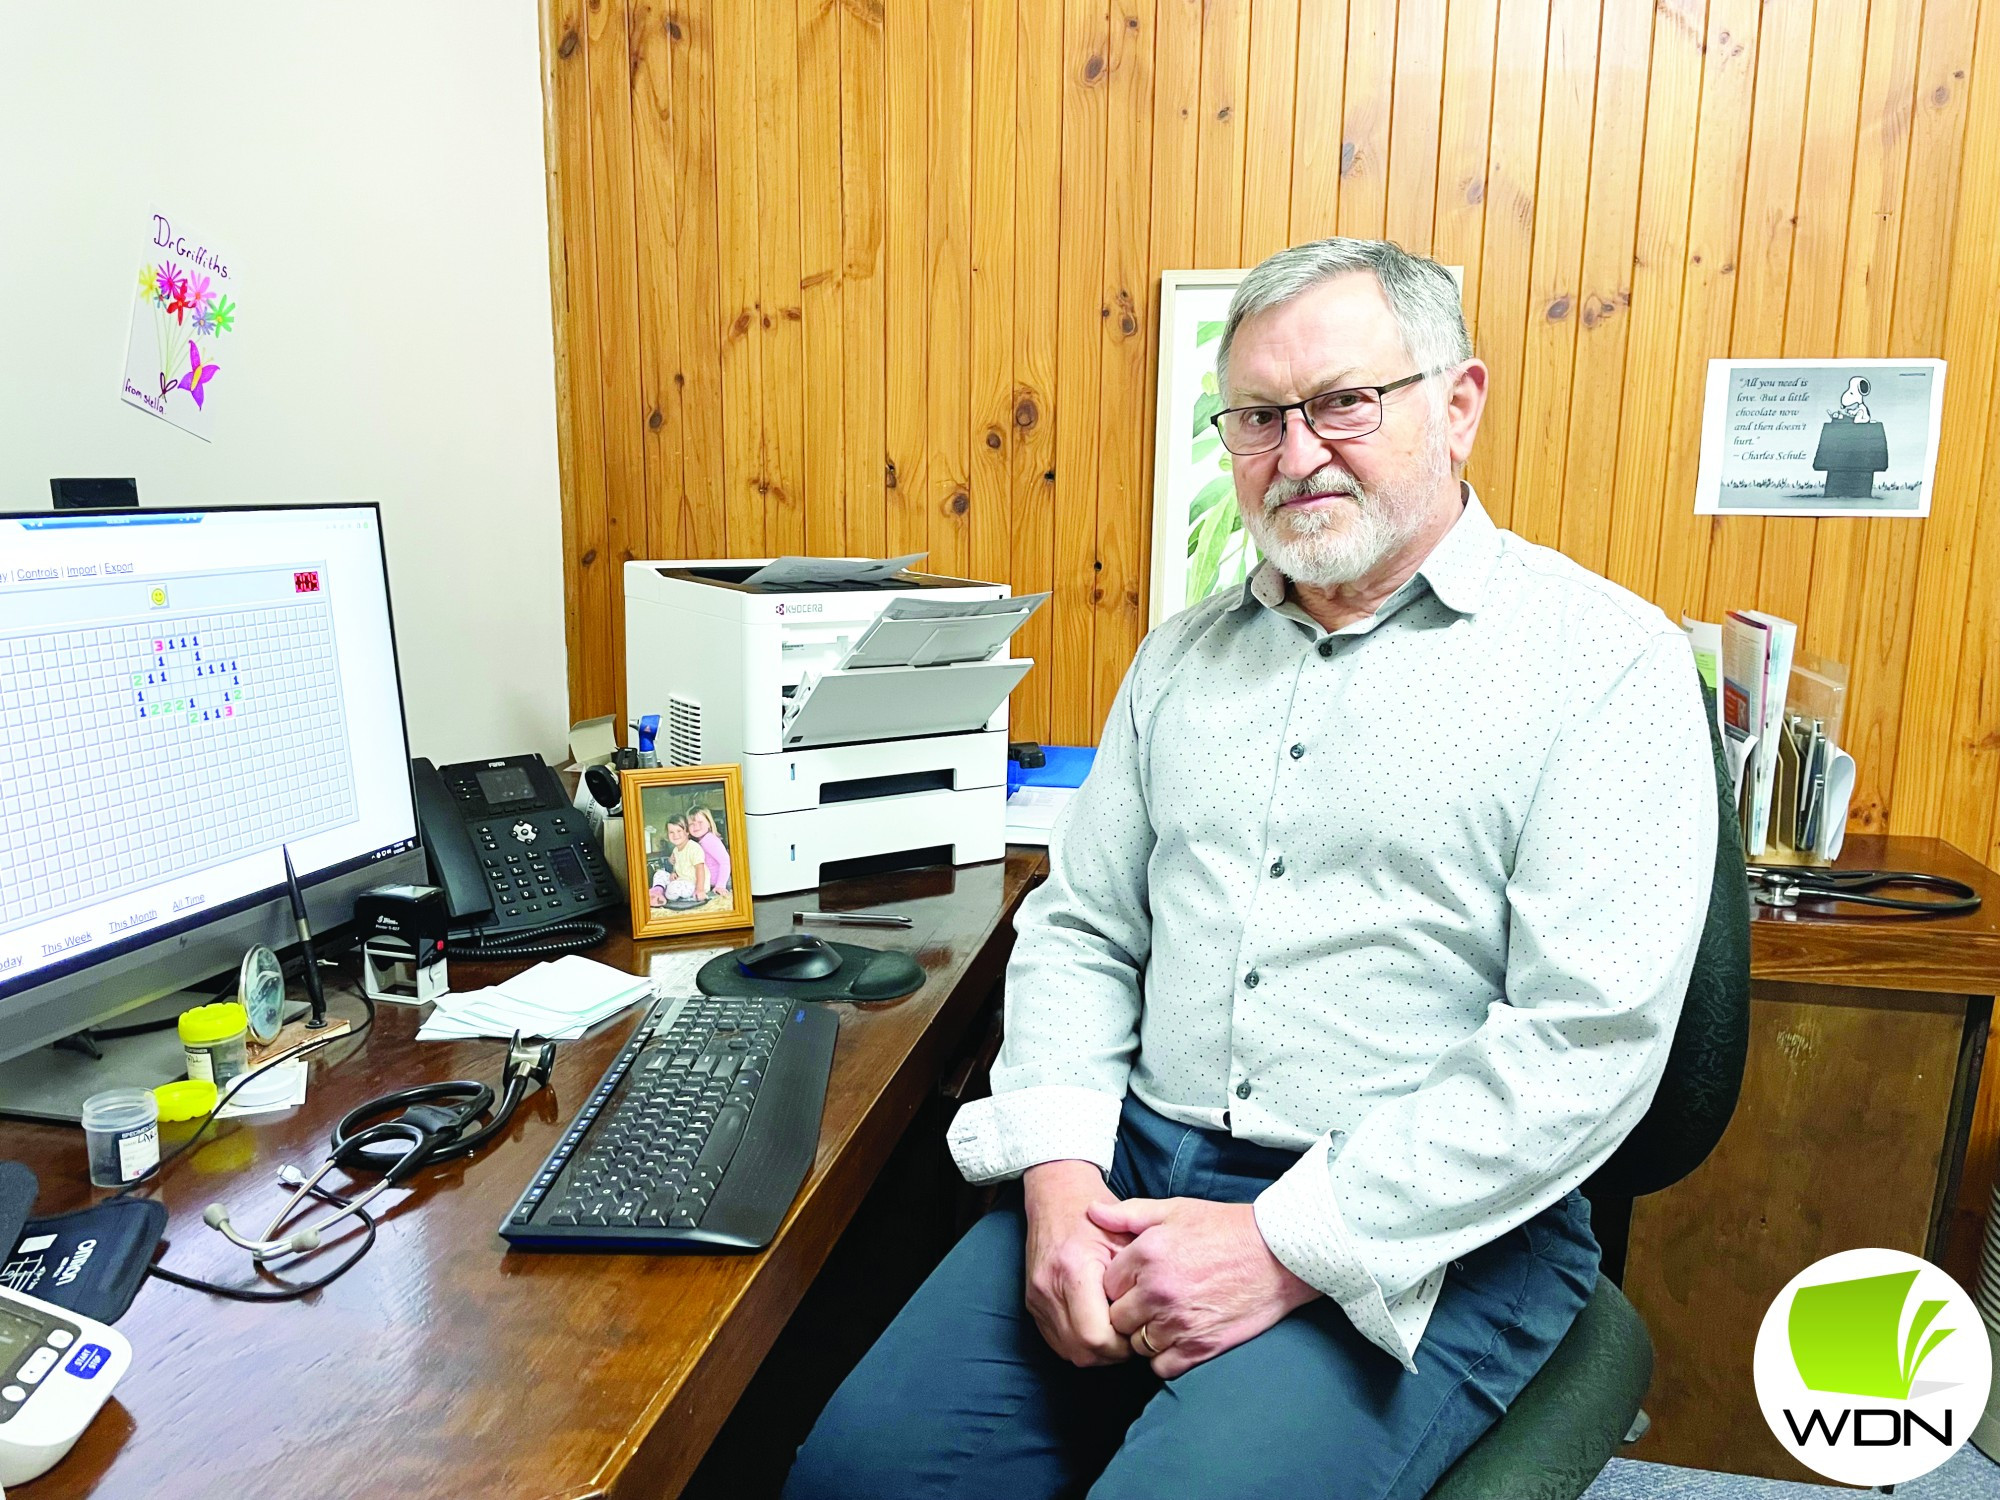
x,y
1853,402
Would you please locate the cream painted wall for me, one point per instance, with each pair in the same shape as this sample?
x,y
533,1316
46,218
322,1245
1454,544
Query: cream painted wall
x,y
375,172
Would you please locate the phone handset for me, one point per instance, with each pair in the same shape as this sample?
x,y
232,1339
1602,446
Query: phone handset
x,y
448,842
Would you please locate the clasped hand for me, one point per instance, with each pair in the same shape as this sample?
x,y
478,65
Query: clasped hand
x,y
1176,1280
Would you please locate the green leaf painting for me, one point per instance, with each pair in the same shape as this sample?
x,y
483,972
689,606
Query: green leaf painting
x,y
1209,544
1197,488
1215,492
1205,407
1219,552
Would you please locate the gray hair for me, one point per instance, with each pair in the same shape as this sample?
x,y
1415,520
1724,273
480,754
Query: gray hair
x,y
1421,293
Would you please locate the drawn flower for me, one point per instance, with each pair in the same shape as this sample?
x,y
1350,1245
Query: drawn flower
x,y
198,375
224,315
198,294
204,321
171,282
149,282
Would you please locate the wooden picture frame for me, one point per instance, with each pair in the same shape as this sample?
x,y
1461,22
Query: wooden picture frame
x,y
701,881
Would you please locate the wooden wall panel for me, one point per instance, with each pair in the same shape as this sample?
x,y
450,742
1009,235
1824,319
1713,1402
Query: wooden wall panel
x,y
820,253
1604,286
1080,309
1319,156
1038,87
1118,590
882,275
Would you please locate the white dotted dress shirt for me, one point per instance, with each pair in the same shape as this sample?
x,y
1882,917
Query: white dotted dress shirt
x,y
1418,899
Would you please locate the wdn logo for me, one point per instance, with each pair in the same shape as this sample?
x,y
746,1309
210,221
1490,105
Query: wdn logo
x,y
1872,1367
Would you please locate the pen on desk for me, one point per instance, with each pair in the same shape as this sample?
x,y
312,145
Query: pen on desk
x,y
313,991
852,918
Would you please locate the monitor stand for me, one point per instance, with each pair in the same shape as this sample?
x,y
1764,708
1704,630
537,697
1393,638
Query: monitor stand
x,y
50,1083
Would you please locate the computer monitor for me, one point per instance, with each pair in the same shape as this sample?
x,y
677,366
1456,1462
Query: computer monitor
x,y
183,694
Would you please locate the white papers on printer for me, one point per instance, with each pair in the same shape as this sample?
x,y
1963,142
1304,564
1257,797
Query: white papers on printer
x,y
923,666
831,572
937,632
560,1001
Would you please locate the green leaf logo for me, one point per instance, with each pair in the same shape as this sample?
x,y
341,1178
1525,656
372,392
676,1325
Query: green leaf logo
x,y
1843,1336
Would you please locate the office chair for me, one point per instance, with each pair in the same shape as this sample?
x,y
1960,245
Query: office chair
x,y
1569,1420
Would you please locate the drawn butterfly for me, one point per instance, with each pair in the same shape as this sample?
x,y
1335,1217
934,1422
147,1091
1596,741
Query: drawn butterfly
x,y
198,373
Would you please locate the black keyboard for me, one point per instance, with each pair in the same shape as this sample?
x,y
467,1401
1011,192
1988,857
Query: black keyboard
x,y
698,1136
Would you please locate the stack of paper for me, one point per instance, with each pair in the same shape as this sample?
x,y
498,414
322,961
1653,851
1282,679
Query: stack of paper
x,y
830,572
1756,668
1032,812
1707,642
559,1001
1037,795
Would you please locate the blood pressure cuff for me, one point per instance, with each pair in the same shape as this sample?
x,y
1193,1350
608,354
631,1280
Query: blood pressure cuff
x,y
17,1200
91,1261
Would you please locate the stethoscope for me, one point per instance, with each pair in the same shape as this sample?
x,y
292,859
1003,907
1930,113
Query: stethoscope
x,y
434,1122
1785,886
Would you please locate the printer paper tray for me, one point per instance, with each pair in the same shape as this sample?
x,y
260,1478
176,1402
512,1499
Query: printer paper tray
x,y
887,703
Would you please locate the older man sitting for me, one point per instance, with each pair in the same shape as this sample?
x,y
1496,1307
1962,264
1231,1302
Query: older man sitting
x,y
1362,947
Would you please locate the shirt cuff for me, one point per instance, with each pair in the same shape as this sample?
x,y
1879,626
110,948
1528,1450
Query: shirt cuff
x,y
1302,1226
1001,1137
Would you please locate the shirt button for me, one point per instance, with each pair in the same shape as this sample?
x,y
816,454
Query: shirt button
x,y
1278,866
1298,751
1243,1089
1250,980
1326,648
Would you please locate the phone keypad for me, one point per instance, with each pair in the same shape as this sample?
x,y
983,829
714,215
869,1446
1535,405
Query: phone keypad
x,y
554,875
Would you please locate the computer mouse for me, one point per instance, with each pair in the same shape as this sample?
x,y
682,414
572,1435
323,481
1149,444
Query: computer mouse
x,y
794,956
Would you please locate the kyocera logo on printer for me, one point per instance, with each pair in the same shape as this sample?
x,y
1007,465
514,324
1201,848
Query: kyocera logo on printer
x,y
801,609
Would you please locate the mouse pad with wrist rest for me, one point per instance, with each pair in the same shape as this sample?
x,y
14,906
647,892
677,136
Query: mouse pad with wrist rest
x,y
864,974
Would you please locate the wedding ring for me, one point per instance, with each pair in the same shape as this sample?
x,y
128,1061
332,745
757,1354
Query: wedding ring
x,y
1144,1339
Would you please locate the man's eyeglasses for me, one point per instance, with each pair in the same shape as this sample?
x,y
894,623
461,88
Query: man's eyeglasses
x,y
1332,415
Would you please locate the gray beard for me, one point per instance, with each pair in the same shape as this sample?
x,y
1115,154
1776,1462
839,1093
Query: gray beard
x,y
1328,548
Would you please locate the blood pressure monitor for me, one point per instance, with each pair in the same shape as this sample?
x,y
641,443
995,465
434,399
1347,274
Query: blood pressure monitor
x,y
56,1370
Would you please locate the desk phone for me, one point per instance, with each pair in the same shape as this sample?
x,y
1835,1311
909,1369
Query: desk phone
x,y
510,851
57,1369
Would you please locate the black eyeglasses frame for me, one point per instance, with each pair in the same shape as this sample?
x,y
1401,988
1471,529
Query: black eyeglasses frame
x,y
1380,392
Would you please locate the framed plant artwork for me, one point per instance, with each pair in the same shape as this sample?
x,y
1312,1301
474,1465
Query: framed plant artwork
x,y
686,849
1199,544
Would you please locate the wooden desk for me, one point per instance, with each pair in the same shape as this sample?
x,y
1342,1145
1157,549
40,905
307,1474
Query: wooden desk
x,y
444,1366
1856,1127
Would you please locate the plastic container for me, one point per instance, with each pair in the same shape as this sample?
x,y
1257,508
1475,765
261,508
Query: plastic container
x,y
216,1039
189,1099
121,1130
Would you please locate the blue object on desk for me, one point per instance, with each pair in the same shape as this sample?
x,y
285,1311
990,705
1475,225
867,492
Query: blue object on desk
x,y
1064,765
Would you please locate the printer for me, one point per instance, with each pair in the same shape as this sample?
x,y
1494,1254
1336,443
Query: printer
x,y
866,704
